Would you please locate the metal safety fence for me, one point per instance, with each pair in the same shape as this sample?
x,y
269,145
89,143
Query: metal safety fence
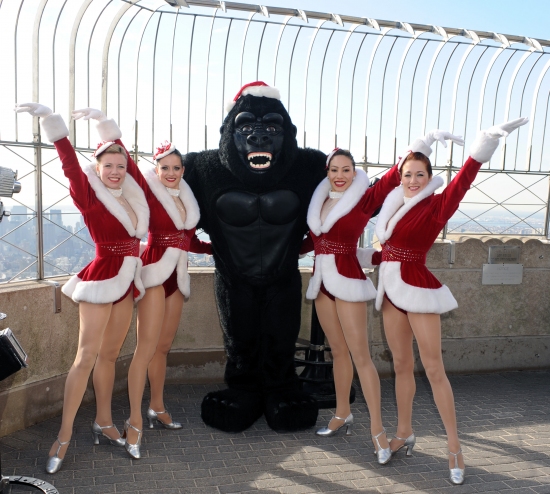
x,y
165,71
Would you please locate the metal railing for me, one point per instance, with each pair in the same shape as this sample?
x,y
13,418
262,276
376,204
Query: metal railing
x,y
165,73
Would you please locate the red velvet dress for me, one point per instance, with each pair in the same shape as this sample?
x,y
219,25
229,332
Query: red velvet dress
x,y
169,240
117,264
407,232
335,241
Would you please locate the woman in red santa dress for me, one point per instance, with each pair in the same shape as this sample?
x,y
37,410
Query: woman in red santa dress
x,y
116,213
172,225
340,208
410,297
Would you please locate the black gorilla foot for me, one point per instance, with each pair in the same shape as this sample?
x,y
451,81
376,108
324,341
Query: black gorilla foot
x,y
290,411
231,410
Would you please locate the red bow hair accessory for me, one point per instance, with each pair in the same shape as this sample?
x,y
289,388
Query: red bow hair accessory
x,y
101,147
256,88
329,157
164,150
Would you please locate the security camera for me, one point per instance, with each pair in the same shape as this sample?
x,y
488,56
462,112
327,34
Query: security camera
x,y
8,186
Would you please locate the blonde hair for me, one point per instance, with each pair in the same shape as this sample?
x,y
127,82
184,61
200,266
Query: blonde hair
x,y
113,149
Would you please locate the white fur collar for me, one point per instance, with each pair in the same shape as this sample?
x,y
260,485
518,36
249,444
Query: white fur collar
x,y
393,208
192,212
348,201
131,191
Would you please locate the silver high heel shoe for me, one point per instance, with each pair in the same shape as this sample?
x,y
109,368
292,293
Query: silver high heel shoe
x,y
133,449
97,430
456,474
409,444
348,423
383,454
53,465
152,416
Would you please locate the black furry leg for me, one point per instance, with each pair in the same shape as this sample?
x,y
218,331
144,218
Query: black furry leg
x,y
231,410
290,410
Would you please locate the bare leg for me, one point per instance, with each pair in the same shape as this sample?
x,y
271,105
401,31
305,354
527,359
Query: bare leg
x,y
400,337
353,320
93,320
427,331
342,366
157,367
104,370
150,316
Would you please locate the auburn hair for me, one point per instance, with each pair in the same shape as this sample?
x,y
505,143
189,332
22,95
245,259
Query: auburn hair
x,y
417,156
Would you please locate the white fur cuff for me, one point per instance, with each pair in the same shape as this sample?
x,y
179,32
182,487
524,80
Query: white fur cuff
x,y
365,257
54,127
419,146
109,130
483,147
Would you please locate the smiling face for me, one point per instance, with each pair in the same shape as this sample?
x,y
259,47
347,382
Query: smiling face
x,y
414,177
340,173
111,169
170,171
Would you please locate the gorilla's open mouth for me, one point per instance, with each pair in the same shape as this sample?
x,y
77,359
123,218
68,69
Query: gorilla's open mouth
x,y
259,161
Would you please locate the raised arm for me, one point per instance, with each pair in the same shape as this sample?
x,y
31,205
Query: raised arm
x,y
481,151
56,132
109,130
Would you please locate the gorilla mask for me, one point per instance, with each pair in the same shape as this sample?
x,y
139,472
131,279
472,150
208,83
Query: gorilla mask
x,y
258,142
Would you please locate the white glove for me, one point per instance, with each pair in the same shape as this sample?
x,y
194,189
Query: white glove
x,y
107,128
87,113
486,141
441,136
53,125
35,109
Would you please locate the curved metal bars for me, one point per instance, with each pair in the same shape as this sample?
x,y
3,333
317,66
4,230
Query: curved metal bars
x,y
382,98
352,92
207,74
508,101
244,43
53,49
153,85
413,78
321,92
278,44
521,107
189,80
223,68
172,72
290,66
313,38
15,65
533,114
260,51
337,85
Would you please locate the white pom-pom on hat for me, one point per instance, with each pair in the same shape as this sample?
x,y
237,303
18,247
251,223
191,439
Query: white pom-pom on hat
x,y
256,88
164,150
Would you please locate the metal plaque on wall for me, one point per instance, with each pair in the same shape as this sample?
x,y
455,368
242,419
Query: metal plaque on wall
x,y
502,274
504,254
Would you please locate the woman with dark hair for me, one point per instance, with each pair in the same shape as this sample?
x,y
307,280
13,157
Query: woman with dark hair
x,y
174,216
340,209
410,297
116,214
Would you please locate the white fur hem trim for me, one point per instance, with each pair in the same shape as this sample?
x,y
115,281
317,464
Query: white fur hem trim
x,y
348,289
108,130
412,298
394,208
54,127
157,273
109,290
364,256
349,200
192,211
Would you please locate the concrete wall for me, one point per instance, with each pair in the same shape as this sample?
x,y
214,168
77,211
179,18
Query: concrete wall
x,y
495,328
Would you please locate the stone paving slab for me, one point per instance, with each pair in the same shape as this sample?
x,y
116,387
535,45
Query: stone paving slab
x,y
504,425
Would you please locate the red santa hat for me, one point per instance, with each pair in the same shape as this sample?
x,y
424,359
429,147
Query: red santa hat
x,y
257,88
101,147
164,150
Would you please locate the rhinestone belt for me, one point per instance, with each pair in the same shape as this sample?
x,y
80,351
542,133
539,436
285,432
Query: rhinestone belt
x,y
324,246
178,240
391,253
121,248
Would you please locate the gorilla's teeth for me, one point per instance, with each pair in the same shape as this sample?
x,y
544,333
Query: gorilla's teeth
x,y
265,165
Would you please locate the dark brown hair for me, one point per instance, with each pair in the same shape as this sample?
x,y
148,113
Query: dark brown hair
x,y
343,152
418,157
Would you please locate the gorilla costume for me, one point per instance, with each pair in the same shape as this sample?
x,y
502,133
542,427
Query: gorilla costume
x,y
253,193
